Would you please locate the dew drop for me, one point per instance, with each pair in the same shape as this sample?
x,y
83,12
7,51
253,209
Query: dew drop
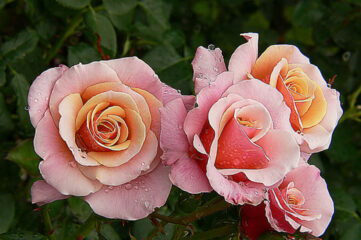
x,y
39,94
147,204
110,187
179,91
146,189
155,75
180,126
215,69
72,164
36,100
143,163
128,186
27,108
329,85
136,187
106,190
211,47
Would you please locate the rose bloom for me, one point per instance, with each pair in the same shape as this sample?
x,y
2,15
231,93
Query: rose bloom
x,y
97,131
315,107
238,141
301,201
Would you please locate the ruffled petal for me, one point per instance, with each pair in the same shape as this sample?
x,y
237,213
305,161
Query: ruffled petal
x,y
135,73
173,140
244,57
188,176
75,80
207,65
40,90
61,171
42,193
133,200
169,94
128,171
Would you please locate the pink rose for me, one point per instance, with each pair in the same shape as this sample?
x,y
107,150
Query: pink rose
x,y
315,107
97,131
238,141
301,201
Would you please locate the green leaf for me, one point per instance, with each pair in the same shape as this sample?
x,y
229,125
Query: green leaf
x,y
353,232
2,3
82,53
17,47
158,11
2,73
307,13
23,236
109,233
161,57
6,124
21,89
80,208
122,22
78,4
24,156
101,25
119,7
7,211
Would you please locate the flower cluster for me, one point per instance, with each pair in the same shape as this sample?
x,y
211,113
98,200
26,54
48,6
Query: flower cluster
x,y
112,133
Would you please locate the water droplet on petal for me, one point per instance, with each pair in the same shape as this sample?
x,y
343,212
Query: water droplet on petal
x,y
329,85
180,126
36,100
72,164
215,69
106,190
110,187
128,186
27,108
136,187
179,91
211,47
146,189
155,75
147,204
143,163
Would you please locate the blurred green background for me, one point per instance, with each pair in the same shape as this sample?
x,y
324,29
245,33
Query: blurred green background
x,y
39,34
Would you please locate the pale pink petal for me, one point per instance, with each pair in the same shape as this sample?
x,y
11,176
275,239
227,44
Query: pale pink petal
x,y
235,193
169,94
42,193
284,154
207,65
61,171
318,138
75,80
188,176
133,200
128,171
47,140
244,57
40,90
197,117
269,97
173,140
69,108
307,179
133,72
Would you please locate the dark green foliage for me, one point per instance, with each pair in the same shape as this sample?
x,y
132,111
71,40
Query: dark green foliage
x,y
38,34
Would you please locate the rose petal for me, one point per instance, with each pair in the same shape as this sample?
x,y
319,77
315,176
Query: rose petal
x,y
188,176
173,140
40,90
137,134
264,65
284,154
128,171
75,80
135,73
251,89
169,94
47,140
207,65
244,57
134,200
119,87
197,117
68,110
60,171
42,193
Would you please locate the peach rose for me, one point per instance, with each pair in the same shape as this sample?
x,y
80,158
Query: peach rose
x,y
238,141
315,107
301,201
97,131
